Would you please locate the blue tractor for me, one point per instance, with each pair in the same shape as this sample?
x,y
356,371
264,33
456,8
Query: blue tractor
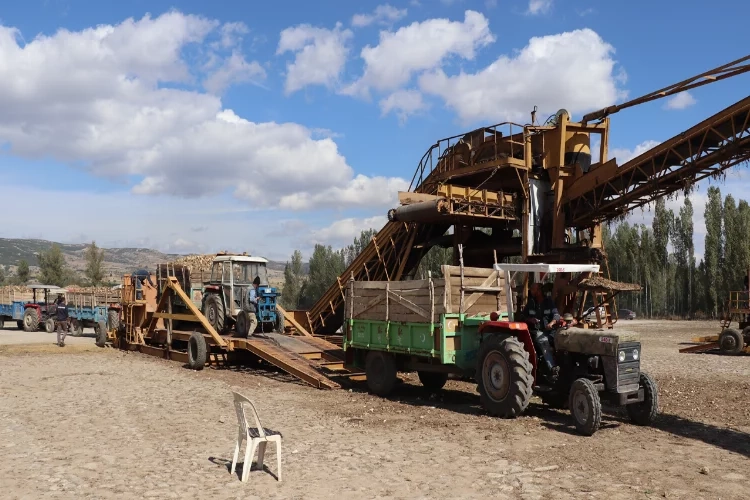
x,y
225,294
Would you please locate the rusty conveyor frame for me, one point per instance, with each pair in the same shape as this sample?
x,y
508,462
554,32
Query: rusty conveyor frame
x,y
309,366
710,147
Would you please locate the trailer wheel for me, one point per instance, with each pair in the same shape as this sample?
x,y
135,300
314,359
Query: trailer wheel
x,y
585,406
380,369
113,319
77,328
643,413
433,381
30,320
731,342
19,324
49,325
213,310
2,323
242,324
101,334
197,351
504,376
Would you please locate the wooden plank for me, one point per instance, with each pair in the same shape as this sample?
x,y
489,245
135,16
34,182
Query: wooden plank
x,y
495,290
407,197
394,285
447,294
701,348
291,363
408,304
290,318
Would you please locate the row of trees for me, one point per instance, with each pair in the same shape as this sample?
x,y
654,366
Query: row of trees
x,y
662,258
54,270
301,290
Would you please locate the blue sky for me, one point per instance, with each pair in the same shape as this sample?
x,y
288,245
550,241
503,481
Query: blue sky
x,y
268,126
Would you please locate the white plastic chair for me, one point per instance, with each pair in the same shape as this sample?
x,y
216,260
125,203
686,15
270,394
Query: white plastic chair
x,y
257,437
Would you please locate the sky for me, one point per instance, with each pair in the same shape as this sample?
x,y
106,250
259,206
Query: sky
x,y
266,127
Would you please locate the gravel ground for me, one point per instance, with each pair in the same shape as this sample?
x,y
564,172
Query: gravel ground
x,y
82,422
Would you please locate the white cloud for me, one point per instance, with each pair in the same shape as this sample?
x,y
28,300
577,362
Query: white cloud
x,y
104,99
539,6
320,55
624,155
231,34
404,103
680,101
234,70
574,70
342,232
383,14
417,47
362,191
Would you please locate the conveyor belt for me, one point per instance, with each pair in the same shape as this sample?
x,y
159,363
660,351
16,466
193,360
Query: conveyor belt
x,y
712,146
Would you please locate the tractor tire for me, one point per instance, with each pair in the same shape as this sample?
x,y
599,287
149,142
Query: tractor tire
x,y
101,334
113,319
49,325
380,369
746,334
213,310
433,381
731,342
197,351
30,320
644,413
278,327
242,324
504,376
585,406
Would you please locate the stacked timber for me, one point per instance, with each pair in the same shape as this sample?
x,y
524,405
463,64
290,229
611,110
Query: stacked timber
x,y
196,263
473,291
90,296
13,293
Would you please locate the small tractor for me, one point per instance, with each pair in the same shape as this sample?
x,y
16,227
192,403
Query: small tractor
x,y
40,312
225,294
504,355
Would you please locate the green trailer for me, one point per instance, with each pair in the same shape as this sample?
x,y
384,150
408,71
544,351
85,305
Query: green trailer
x,y
459,324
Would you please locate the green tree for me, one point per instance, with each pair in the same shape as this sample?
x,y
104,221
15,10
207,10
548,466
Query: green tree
x,y
94,271
326,265
432,262
22,272
358,246
293,281
713,250
54,270
2,275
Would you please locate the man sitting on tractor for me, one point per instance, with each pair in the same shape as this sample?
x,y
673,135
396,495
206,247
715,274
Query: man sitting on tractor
x,y
542,309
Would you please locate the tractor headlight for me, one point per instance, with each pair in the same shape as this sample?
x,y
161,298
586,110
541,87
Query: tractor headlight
x,y
635,354
621,356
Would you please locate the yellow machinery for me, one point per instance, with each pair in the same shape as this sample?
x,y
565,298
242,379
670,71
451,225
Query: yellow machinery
x,y
534,192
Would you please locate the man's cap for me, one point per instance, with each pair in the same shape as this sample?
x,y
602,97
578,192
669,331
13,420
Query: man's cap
x,y
256,281
568,317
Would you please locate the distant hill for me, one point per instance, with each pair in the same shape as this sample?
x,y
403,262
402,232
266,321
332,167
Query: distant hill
x,y
117,261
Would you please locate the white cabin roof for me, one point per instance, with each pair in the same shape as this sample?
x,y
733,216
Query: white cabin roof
x,y
548,268
240,258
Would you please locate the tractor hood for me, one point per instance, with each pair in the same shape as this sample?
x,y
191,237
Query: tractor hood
x,y
594,342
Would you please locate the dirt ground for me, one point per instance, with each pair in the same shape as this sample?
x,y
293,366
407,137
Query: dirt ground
x,y
82,422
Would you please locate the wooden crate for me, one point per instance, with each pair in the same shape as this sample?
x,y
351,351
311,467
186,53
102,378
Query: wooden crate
x,y
423,301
